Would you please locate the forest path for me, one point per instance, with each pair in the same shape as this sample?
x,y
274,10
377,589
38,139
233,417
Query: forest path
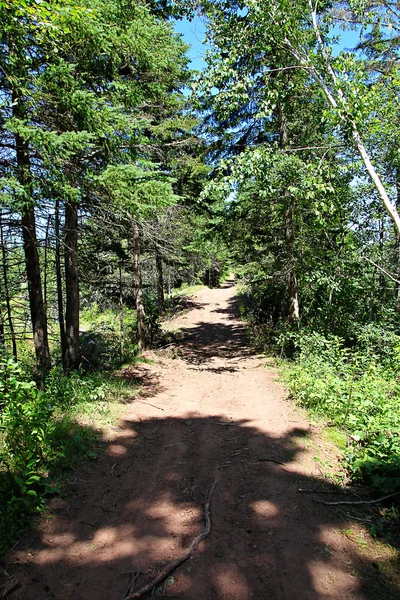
x,y
213,409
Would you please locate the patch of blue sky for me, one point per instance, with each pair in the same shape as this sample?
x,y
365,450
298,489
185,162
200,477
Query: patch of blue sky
x,y
194,33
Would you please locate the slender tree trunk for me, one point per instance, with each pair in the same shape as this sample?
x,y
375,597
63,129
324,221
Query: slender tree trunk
x,y
38,315
30,244
46,246
160,282
2,338
137,280
372,298
121,314
397,250
382,279
7,295
60,301
72,354
294,311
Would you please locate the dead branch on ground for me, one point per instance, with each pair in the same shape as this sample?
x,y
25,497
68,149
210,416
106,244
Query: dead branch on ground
x,y
183,557
357,501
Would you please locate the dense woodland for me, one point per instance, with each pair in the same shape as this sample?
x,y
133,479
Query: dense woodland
x,y
125,175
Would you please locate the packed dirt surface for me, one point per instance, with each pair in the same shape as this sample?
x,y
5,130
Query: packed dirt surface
x,y
209,408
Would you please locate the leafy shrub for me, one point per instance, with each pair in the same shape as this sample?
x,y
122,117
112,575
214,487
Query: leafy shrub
x,y
38,436
358,390
66,392
103,345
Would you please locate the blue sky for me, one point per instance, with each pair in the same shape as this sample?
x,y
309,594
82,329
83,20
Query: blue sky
x,y
194,33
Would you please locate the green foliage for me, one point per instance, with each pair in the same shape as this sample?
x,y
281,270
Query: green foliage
x,y
104,345
40,435
357,390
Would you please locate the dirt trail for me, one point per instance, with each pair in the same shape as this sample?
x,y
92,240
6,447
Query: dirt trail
x,y
214,408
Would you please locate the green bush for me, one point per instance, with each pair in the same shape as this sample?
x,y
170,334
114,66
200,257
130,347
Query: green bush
x,y
66,392
102,343
358,390
38,437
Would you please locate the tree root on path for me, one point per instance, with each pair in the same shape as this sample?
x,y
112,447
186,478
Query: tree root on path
x,y
273,460
357,501
178,561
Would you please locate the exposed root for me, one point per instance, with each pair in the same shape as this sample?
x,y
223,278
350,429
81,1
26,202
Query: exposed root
x,y
357,501
278,462
178,561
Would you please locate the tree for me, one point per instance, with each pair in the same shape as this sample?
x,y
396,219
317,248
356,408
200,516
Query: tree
x,y
300,33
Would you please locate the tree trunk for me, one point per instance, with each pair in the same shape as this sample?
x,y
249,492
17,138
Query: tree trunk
x,y
72,354
46,246
137,281
294,311
397,248
382,278
38,315
6,296
60,302
2,338
121,314
30,245
160,282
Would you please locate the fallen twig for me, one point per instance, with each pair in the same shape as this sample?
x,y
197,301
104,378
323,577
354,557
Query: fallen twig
x,y
105,509
178,561
131,586
153,405
278,462
12,589
365,520
87,523
317,491
357,501
177,444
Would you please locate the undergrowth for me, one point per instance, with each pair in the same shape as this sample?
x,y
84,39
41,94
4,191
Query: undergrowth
x,y
44,433
357,390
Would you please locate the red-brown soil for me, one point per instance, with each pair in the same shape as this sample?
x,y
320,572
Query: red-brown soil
x,y
213,409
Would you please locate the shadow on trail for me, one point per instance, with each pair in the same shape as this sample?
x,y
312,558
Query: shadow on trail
x,y
142,504
206,341
267,540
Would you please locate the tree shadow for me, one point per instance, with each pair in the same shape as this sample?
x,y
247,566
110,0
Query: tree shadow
x,y
141,375
142,503
141,506
206,341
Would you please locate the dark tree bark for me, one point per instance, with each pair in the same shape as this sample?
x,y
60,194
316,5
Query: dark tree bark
x,y
46,246
382,278
137,281
6,296
397,267
2,339
160,282
121,313
38,314
30,244
60,301
294,311
72,353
